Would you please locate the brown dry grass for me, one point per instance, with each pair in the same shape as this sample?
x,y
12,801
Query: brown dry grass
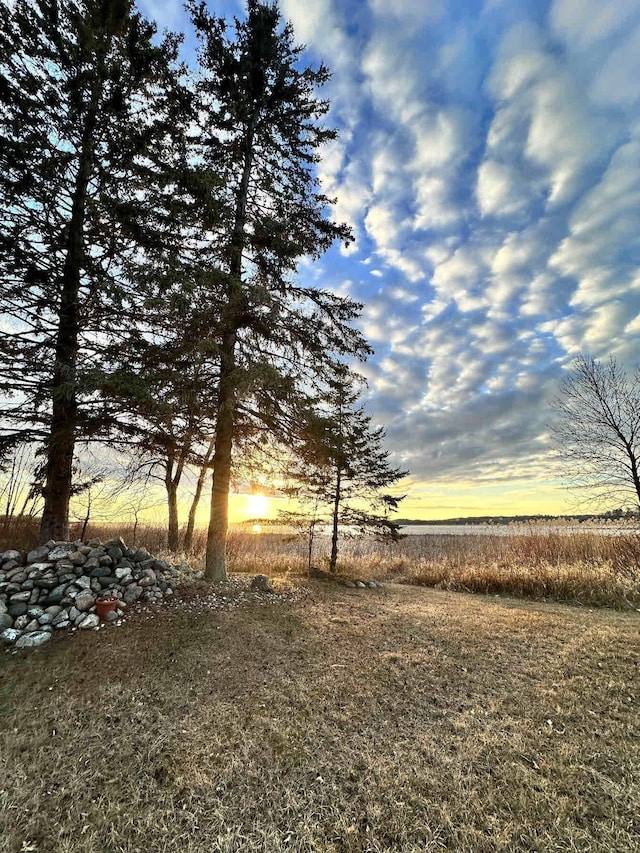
x,y
402,719
535,561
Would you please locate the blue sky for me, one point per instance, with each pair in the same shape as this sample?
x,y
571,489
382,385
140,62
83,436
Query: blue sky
x,y
489,165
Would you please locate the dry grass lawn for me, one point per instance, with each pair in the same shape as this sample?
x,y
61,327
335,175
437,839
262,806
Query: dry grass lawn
x,y
402,719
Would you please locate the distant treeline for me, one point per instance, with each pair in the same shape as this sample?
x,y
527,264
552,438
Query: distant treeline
x,y
517,519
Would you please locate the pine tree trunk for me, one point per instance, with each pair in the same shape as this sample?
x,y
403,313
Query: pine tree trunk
x,y
216,570
173,531
61,440
191,521
60,443
334,533
172,481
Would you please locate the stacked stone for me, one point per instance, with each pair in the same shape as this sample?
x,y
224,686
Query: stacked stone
x,y
56,585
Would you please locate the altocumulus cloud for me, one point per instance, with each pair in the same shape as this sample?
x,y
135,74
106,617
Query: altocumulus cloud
x,y
489,165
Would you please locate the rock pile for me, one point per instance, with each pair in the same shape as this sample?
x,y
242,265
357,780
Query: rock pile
x,y
56,585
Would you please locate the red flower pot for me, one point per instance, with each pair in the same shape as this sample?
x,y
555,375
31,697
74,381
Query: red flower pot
x,y
106,604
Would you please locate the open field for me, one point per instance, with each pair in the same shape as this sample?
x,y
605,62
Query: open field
x,y
402,719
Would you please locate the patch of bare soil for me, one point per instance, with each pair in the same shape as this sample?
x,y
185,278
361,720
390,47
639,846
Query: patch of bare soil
x,y
327,719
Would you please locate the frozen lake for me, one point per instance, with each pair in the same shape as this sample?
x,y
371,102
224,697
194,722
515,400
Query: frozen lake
x,y
514,529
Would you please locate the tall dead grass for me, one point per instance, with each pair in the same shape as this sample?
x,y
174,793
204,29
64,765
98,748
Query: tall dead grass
x,y
593,567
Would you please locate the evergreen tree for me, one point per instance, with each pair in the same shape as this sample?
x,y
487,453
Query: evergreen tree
x,y
262,135
91,117
166,384
343,468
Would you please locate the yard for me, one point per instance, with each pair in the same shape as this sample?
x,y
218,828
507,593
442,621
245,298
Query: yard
x,y
330,719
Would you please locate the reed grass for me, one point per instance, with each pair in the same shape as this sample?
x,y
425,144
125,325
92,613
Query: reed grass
x,y
591,567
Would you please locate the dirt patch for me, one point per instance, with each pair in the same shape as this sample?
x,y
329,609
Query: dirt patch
x,y
344,720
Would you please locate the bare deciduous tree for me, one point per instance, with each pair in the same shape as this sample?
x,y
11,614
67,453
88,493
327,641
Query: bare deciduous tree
x,y
598,430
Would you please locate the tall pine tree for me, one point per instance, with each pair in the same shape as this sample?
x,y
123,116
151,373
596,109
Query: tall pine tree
x,y
263,134
90,116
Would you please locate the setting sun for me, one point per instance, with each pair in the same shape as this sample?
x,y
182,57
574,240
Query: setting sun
x,y
257,505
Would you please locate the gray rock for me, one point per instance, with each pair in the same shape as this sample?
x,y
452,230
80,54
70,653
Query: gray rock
x,y
84,601
47,583
18,609
95,543
6,621
73,613
59,626
101,572
60,552
54,609
3,607
35,611
38,554
28,584
20,596
83,582
59,618
96,553
262,583
21,622
77,558
92,563
147,579
115,542
17,575
12,554
9,636
33,639
95,585
122,572
372,584
45,619
132,593
90,621
360,585
9,565
36,570
115,553
32,625
106,560
111,616
85,549
56,595
349,584
11,588
140,555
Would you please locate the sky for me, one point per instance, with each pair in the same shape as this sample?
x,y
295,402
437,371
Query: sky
x,y
488,162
